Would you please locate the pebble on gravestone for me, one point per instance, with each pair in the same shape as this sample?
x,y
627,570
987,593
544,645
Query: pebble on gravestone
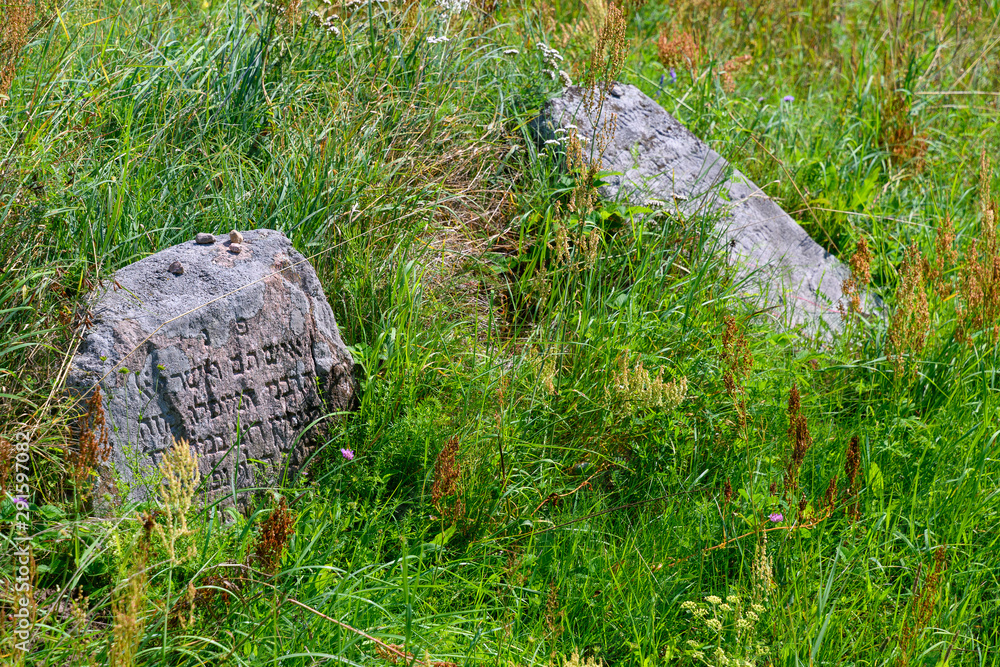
x,y
652,159
235,237
204,239
235,248
176,268
238,357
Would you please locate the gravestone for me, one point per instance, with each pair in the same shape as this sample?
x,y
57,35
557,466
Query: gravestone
x,y
231,346
656,161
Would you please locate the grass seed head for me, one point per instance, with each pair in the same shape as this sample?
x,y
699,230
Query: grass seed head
x,y
180,482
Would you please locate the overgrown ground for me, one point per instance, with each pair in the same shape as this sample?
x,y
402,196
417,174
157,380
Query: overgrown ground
x,y
571,434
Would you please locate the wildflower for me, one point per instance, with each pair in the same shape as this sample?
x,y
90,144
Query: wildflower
x,y
752,616
552,142
725,607
692,643
566,80
713,599
453,6
511,52
673,75
689,605
776,517
759,608
698,655
733,599
742,624
714,624
347,453
437,40
788,98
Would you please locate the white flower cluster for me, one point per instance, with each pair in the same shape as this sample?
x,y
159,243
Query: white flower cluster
x,y
328,23
743,649
551,57
453,6
438,40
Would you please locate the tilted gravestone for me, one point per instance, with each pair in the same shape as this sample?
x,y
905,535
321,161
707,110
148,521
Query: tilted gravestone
x,y
230,345
656,160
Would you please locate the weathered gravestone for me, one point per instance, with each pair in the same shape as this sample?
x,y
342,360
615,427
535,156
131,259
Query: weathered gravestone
x,y
212,341
657,161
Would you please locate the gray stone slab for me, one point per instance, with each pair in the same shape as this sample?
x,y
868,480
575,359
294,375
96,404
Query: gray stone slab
x,y
234,344
657,161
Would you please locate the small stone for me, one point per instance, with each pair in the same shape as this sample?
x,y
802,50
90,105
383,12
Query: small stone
x,y
235,237
204,239
617,91
235,248
176,268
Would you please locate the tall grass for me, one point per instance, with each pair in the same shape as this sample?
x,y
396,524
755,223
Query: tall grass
x,y
572,433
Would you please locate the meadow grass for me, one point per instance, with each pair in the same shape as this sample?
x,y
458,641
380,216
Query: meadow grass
x,y
574,443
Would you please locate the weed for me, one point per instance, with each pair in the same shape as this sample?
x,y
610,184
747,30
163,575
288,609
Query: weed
x,y
979,278
679,50
445,492
798,432
910,321
18,18
93,448
923,602
273,538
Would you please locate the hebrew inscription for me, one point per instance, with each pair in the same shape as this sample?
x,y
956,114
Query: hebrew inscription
x,y
239,354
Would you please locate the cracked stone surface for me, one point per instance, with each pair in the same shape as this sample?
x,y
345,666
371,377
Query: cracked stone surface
x,y
235,344
659,162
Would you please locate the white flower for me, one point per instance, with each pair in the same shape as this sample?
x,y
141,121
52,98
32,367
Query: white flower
x,y
725,607
752,616
437,40
511,52
713,599
453,6
759,608
552,142
732,599
714,624
565,78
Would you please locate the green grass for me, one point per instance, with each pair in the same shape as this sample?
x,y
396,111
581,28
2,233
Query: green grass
x,y
585,514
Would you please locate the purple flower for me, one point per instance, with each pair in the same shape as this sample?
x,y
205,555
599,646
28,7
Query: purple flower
x,y
788,98
673,75
776,517
346,453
